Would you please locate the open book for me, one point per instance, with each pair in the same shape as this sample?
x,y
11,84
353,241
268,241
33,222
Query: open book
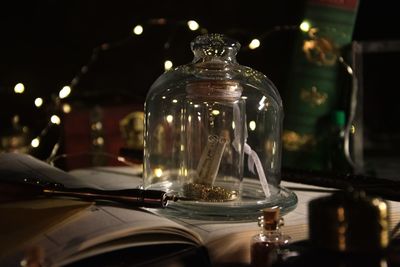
x,y
69,231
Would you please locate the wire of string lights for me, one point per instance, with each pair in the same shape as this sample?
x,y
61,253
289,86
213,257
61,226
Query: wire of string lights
x,y
61,106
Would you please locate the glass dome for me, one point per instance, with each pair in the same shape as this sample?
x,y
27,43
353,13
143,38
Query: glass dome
x,y
213,135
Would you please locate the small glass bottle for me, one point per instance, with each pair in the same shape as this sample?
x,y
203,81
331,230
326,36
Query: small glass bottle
x,y
266,247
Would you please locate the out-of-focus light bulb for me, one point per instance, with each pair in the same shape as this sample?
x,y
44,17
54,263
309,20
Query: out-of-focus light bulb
x,y
349,70
19,88
138,30
64,92
305,26
66,108
252,125
168,64
35,142
170,118
255,43
55,119
193,25
158,172
215,112
38,102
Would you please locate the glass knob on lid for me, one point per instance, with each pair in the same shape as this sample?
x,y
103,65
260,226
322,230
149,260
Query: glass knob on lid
x,y
213,134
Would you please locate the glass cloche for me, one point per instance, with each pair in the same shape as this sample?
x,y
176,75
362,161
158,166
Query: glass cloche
x,y
213,136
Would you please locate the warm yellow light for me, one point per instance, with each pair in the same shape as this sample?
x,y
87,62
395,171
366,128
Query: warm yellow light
x,y
353,129
168,64
252,125
64,92
349,70
121,159
158,172
174,101
66,108
305,26
55,119
19,88
193,25
35,142
170,118
255,43
99,141
215,112
38,102
138,30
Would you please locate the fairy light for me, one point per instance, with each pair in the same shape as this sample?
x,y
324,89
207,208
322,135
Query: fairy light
x,y
38,102
158,172
252,125
168,64
138,30
170,118
305,26
347,66
55,119
64,92
19,88
193,25
66,108
215,112
255,43
35,142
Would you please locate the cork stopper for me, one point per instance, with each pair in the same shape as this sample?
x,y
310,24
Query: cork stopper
x,y
271,218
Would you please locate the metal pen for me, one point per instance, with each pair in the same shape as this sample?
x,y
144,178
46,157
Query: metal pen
x,y
133,197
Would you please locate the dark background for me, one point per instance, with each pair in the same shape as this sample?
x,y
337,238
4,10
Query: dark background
x,y
45,43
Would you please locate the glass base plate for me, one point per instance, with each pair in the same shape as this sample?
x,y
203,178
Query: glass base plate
x,y
248,208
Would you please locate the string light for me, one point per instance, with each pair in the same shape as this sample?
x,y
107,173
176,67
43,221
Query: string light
x,y
138,30
170,118
38,102
66,108
252,125
305,26
35,142
55,119
193,25
19,88
215,112
255,43
168,64
64,92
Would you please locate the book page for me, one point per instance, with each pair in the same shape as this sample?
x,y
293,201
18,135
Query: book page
x,y
16,167
95,229
24,222
107,223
